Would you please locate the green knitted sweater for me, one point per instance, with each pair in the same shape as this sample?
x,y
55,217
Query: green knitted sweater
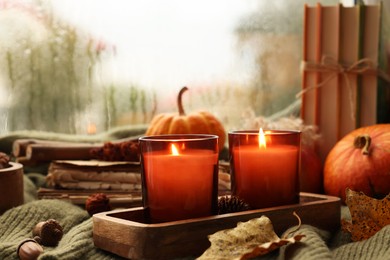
x,y
16,225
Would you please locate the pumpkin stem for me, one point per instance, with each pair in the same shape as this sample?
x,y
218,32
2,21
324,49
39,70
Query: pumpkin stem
x,y
179,103
362,142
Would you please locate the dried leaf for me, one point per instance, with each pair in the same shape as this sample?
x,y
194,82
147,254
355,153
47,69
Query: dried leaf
x,y
249,239
368,215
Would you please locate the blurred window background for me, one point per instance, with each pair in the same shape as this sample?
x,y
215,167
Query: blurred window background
x,y
90,65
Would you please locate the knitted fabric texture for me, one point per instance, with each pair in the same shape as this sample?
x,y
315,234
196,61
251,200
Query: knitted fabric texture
x,y
16,225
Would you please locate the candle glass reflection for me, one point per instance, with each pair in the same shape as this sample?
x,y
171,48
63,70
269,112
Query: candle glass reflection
x,y
265,167
179,176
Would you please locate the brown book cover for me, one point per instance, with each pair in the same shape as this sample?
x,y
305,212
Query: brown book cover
x,y
350,45
329,105
311,54
371,18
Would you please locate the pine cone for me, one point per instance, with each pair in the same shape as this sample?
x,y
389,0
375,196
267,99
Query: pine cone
x,y
230,204
4,160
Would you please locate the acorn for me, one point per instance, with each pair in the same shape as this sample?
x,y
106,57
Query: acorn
x,y
231,204
48,233
29,249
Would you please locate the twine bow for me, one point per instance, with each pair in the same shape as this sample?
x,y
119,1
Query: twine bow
x,y
330,65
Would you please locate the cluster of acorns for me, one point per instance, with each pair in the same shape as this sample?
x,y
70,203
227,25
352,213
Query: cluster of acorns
x,y
45,233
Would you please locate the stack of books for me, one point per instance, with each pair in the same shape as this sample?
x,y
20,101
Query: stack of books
x,y
344,81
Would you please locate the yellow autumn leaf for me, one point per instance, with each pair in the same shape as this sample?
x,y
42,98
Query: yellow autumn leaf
x,y
247,240
368,215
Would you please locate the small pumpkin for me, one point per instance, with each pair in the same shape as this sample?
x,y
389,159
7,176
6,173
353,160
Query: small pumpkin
x,y
201,122
360,161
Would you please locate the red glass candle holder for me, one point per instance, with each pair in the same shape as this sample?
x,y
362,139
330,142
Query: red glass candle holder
x,y
265,167
179,176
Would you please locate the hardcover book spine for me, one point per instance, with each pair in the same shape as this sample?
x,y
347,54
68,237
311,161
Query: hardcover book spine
x,y
311,53
371,17
329,103
350,49
383,98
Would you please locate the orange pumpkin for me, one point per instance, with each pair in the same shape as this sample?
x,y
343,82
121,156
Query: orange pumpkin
x,y
360,161
195,123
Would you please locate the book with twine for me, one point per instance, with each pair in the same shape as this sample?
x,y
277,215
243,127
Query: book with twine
x,y
341,72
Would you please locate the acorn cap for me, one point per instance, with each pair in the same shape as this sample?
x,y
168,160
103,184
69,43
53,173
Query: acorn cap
x,y
49,232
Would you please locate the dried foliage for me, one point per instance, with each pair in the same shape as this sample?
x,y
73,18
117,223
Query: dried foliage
x,y
96,203
249,239
122,151
368,215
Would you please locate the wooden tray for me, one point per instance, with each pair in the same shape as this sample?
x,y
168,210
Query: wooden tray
x,y
125,233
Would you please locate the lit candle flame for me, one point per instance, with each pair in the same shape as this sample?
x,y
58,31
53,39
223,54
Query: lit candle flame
x,y
262,142
174,150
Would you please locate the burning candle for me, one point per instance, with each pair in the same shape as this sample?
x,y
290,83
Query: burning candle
x,y
179,176
265,167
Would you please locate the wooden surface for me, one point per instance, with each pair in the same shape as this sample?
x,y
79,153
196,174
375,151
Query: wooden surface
x,y
11,186
126,233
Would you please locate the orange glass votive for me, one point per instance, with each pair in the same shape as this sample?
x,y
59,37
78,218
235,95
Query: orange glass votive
x,y
265,167
179,176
